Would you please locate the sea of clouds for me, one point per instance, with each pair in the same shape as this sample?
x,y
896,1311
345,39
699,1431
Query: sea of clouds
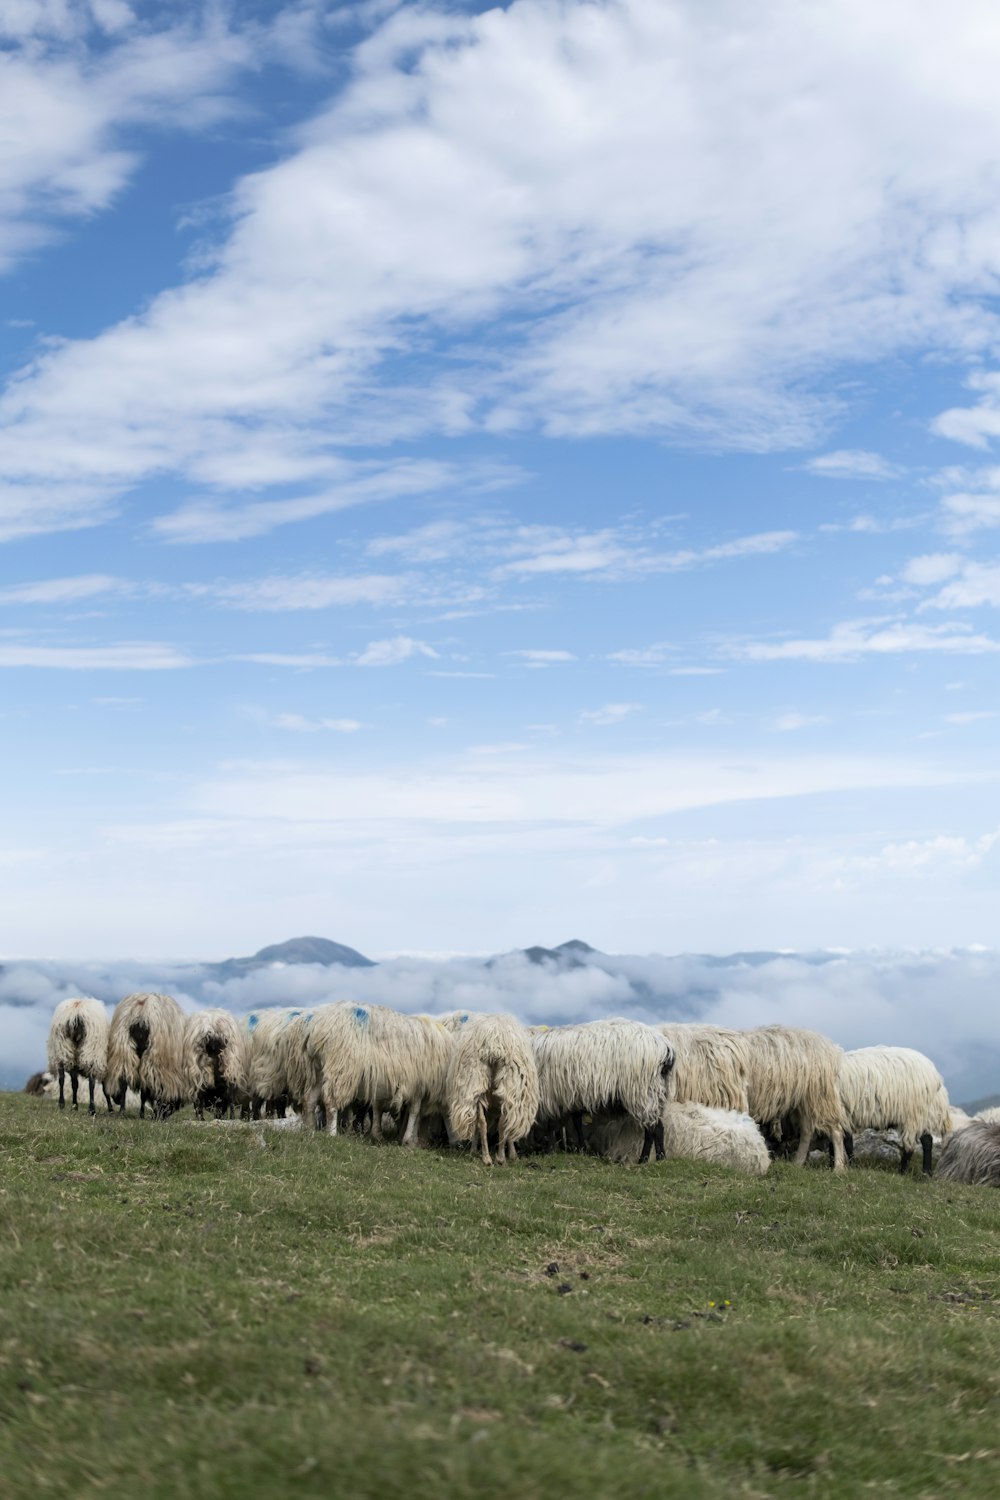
x,y
943,1003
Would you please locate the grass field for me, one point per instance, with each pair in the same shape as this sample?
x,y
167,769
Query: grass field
x,y
207,1311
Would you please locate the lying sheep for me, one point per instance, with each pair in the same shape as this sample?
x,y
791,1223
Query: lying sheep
x,y
613,1067
794,1073
710,1065
692,1131
78,1044
492,1081
213,1061
972,1155
894,1088
146,1053
380,1058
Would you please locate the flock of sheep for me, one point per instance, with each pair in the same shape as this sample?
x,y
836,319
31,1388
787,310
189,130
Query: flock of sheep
x,y
621,1088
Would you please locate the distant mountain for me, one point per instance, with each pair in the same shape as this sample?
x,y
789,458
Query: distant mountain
x,y
571,955
303,950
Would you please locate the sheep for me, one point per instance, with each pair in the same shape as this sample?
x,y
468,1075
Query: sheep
x,y
991,1116
78,1043
294,1058
265,1059
972,1155
492,1074
618,1067
371,1054
146,1053
47,1087
692,1131
213,1061
794,1072
894,1088
710,1066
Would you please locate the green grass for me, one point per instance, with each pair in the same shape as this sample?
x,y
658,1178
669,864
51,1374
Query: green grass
x,y
213,1311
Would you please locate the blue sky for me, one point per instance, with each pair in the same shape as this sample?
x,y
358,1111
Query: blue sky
x,y
470,478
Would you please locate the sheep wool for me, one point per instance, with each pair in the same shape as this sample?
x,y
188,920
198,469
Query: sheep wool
x,y
885,1088
991,1116
796,1072
377,1056
618,1067
146,1052
710,1066
973,1155
266,1058
493,1078
213,1060
78,1045
694,1132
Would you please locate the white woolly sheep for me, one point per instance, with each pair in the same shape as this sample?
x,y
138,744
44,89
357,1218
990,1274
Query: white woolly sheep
x,y
294,1058
692,1131
47,1087
710,1065
146,1053
894,1088
492,1080
213,1061
613,1067
265,1060
78,1044
792,1072
972,1155
379,1057
991,1116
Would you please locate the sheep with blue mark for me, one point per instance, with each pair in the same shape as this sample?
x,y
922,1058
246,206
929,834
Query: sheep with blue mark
x,y
265,1063
383,1059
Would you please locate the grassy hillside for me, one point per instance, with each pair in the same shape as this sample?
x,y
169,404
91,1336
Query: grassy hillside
x,y
234,1311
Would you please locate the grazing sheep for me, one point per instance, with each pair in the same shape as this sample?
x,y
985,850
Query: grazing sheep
x,y
379,1057
295,1059
795,1072
78,1043
894,1088
694,1132
613,1067
213,1061
146,1053
710,1066
492,1079
265,1059
972,1155
991,1116
36,1084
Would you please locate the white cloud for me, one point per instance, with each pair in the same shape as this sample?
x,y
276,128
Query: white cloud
x,y
788,723
856,638
300,724
640,269
307,591
646,656
140,656
63,590
390,653
851,463
978,584
969,718
935,567
611,713
541,658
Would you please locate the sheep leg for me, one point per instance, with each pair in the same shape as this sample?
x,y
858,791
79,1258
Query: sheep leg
x,y
143,1098
848,1145
377,1122
412,1124
481,1132
511,1152
904,1160
329,1110
62,1081
90,1085
658,1141
581,1141
647,1142
806,1132
839,1151
927,1146
74,1079
108,1099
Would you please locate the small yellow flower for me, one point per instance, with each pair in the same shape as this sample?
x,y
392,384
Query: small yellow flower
x,y
711,1304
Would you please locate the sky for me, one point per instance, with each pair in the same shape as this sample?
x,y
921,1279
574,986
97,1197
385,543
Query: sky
x,y
475,477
